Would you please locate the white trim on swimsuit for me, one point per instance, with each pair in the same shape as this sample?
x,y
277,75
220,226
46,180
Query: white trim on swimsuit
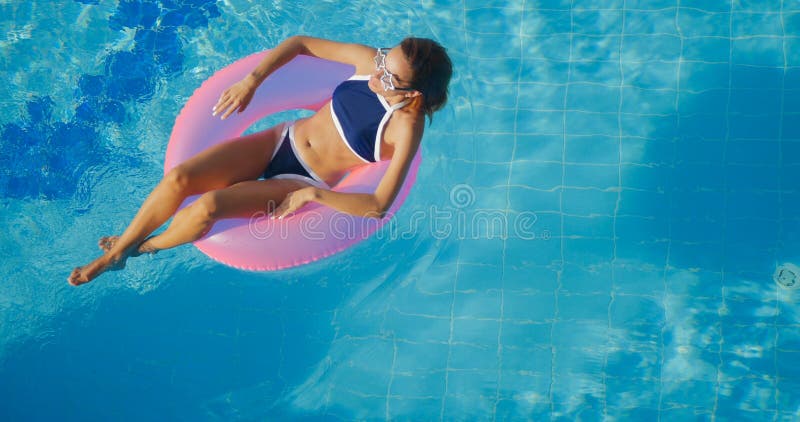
x,y
384,120
314,179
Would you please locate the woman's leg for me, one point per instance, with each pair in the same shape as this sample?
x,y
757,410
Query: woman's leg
x,y
222,165
243,199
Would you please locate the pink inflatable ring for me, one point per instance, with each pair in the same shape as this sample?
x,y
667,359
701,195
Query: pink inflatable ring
x,y
314,231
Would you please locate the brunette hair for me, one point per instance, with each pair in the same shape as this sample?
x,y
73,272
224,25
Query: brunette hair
x,y
432,69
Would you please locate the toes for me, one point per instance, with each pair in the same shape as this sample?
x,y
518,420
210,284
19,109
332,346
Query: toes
x,y
73,277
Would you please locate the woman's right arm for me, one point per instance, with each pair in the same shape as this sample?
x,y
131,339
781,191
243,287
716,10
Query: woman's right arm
x,y
238,96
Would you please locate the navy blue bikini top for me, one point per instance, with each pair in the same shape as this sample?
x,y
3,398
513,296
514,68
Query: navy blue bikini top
x,y
360,116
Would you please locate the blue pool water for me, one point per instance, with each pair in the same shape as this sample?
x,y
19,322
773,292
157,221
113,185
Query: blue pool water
x,y
600,212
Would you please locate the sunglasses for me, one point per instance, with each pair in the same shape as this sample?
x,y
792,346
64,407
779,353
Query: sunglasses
x,y
387,79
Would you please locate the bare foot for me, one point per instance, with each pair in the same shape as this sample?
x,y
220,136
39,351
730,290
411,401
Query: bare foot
x,y
87,273
146,247
107,242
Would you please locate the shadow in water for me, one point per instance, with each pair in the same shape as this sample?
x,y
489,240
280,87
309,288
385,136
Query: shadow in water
x,y
719,179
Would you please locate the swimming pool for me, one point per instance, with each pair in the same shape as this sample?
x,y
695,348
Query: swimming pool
x,y
600,212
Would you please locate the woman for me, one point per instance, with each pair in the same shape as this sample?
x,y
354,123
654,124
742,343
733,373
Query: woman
x,y
378,114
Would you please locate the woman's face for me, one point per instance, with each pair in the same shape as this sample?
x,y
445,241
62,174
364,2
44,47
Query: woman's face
x,y
399,69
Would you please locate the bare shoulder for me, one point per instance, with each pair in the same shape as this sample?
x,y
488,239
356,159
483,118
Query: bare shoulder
x,y
405,128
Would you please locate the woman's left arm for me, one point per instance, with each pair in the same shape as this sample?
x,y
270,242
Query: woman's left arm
x,y
406,134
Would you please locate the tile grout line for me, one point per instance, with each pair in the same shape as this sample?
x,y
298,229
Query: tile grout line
x,y
458,267
664,301
616,213
560,272
724,307
776,379
506,212
391,377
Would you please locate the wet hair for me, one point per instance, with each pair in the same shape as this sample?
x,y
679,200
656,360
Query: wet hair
x,y
431,68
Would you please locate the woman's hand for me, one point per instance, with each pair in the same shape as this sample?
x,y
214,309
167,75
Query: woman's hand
x,y
235,98
293,201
